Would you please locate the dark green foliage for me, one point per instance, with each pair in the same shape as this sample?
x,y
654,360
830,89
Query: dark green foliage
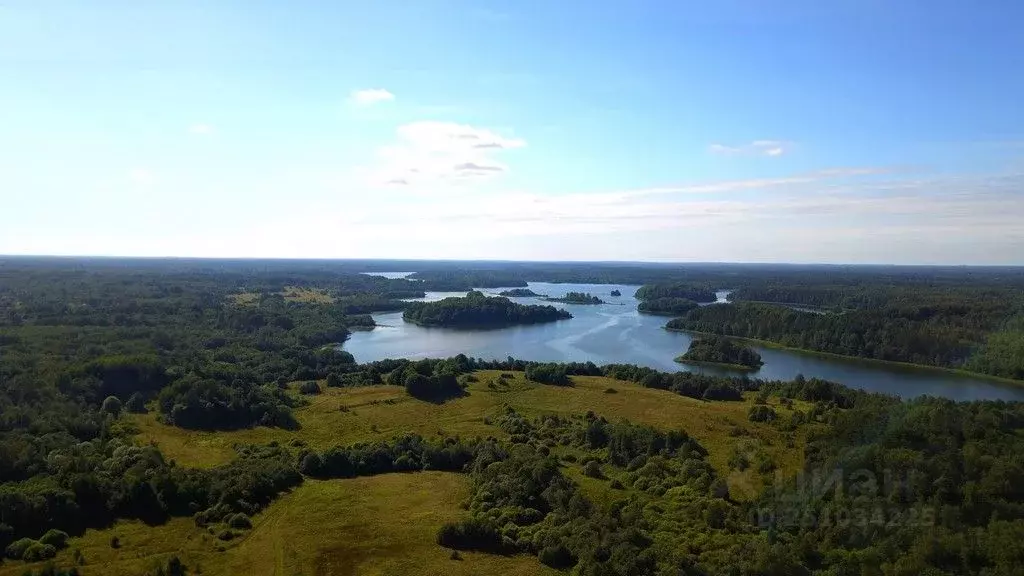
x,y
1002,353
16,550
111,405
37,552
593,469
240,522
616,293
557,556
56,538
115,542
577,298
473,534
717,350
136,404
554,374
694,292
309,387
404,454
667,306
518,293
948,333
479,311
762,414
209,404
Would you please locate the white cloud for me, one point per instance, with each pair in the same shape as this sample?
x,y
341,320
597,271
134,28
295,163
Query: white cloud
x,y
430,152
755,148
371,96
201,129
795,216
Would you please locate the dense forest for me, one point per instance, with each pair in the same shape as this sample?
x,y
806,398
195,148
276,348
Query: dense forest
x,y
667,306
519,293
680,290
953,335
577,298
723,351
476,310
927,486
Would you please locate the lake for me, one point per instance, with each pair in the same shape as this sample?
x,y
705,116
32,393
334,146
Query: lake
x,y
616,333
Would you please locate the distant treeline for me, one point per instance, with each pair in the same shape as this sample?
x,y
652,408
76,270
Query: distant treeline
x,y
949,335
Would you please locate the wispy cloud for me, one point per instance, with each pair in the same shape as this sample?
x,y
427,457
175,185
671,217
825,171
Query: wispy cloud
x,y
370,96
431,152
755,148
796,210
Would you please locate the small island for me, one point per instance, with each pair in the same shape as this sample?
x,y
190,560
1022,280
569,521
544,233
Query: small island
x,y
476,310
519,293
577,298
719,351
668,306
616,293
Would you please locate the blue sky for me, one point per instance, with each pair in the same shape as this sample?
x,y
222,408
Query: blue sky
x,y
736,130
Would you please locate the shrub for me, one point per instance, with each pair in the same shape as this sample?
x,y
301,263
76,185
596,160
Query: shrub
x,y
17,548
616,485
310,387
240,521
37,552
593,469
56,538
115,542
762,413
557,557
333,380
112,405
136,404
225,535
610,391
472,534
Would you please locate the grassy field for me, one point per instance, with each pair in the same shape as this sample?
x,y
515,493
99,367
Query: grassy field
x,y
381,525
307,295
381,412
387,524
290,294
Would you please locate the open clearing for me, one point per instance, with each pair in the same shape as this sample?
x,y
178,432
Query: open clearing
x,y
379,525
382,412
387,524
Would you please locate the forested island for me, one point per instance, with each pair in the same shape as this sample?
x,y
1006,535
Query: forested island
x,y
616,293
686,290
476,310
577,298
666,306
519,293
718,351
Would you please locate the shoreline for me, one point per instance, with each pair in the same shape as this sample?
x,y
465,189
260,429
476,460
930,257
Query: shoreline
x,y
926,367
739,367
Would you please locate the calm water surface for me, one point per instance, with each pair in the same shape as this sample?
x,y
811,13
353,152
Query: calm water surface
x,y
616,333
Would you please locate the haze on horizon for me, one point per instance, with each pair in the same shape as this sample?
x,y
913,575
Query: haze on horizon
x,y
739,131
